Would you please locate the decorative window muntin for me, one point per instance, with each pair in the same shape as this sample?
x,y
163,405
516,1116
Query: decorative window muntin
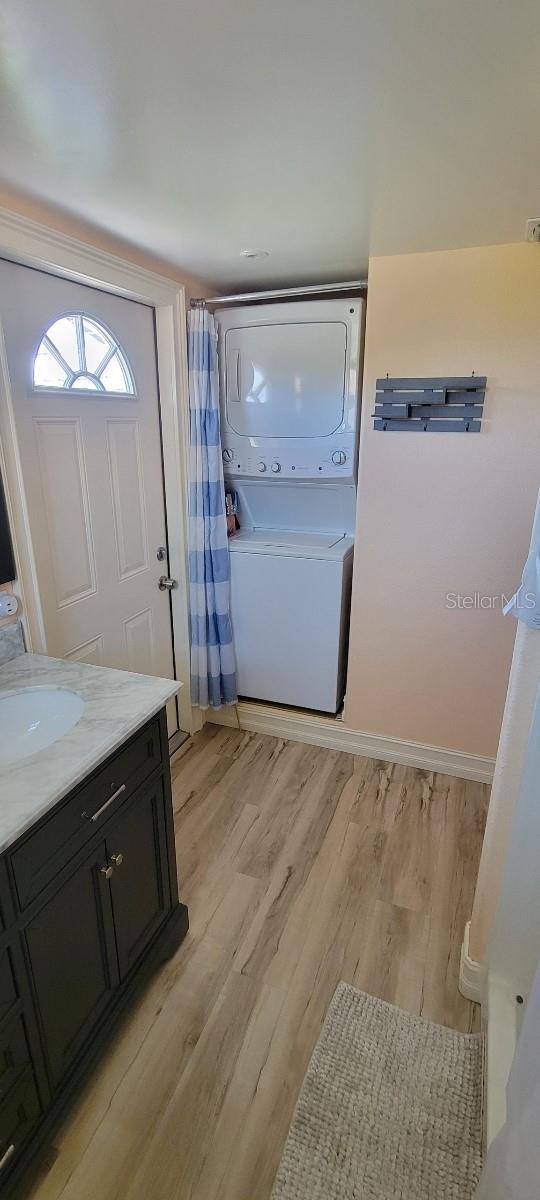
x,y
78,353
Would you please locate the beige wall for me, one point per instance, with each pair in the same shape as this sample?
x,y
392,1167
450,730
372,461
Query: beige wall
x,y
441,513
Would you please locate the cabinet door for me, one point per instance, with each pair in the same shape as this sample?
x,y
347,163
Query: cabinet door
x,y
136,848
70,944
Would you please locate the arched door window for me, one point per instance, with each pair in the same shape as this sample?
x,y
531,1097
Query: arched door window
x,y
77,353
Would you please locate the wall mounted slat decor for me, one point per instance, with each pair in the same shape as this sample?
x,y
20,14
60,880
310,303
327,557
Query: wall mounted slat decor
x,y
446,405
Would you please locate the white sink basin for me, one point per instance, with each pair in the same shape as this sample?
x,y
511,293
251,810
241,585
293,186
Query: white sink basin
x,y
32,718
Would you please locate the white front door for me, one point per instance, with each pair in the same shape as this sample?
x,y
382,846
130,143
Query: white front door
x,y
82,368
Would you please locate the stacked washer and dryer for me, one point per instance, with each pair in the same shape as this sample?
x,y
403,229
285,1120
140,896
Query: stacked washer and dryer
x,y
289,395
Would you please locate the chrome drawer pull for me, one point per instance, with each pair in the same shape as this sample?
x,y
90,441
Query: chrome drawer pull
x,y
111,800
107,871
6,1157
117,859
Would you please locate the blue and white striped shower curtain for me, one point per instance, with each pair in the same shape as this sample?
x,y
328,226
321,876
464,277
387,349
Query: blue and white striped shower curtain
x,y
213,669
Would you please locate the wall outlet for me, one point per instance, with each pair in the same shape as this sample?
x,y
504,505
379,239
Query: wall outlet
x,y
8,604
532,229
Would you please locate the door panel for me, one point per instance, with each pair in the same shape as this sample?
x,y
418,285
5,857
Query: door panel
x,y
92,468
140,643
130,523
67,509
88,652
136,846
75,962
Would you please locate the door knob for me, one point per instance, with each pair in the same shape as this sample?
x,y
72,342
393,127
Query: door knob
x,y
107,872
117,859
166,585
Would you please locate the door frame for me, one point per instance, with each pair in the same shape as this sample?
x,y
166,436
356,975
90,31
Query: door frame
x,y
34,244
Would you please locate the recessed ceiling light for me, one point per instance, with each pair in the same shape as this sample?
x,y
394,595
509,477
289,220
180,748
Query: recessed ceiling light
x,y
254,254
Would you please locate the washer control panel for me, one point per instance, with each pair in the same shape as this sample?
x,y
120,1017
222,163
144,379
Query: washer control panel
x,y
249,460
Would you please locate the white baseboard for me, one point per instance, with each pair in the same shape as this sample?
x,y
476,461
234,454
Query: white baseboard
x,y
331,732
472,974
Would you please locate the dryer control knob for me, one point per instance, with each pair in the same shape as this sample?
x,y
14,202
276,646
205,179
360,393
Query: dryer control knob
x,y
276,468
227,455
261,466
339,458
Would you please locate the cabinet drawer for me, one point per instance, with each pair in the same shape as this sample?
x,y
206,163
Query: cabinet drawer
x,y
48,848
19,1112
14,1054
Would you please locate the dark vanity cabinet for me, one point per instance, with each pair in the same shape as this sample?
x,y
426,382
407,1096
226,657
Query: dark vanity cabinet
x,y
89,906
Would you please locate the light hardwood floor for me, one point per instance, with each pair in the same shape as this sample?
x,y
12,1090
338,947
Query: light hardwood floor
x,y
301,867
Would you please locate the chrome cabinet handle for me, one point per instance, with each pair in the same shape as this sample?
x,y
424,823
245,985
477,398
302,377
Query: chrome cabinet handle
x,y
165,584
107,872
111,800
117,859
8,1154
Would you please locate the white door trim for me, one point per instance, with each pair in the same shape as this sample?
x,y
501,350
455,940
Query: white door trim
x,y
35,245
318,730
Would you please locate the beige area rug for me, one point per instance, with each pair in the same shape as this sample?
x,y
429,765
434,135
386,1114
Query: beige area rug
x,y
390,1109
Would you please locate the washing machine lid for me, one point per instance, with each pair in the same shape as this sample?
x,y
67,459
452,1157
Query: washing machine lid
x,y
287,542
328,509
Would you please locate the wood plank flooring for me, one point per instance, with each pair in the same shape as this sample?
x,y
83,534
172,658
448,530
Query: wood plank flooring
x,y
301,866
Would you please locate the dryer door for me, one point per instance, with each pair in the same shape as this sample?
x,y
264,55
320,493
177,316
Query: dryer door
x,y
286,380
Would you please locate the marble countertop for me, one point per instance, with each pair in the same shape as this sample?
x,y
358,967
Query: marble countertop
x,y
116,704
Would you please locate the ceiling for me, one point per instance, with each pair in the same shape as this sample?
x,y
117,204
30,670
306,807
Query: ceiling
x,y
322,131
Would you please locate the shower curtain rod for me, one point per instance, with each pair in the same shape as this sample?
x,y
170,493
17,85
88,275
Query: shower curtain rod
x,y
350,285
